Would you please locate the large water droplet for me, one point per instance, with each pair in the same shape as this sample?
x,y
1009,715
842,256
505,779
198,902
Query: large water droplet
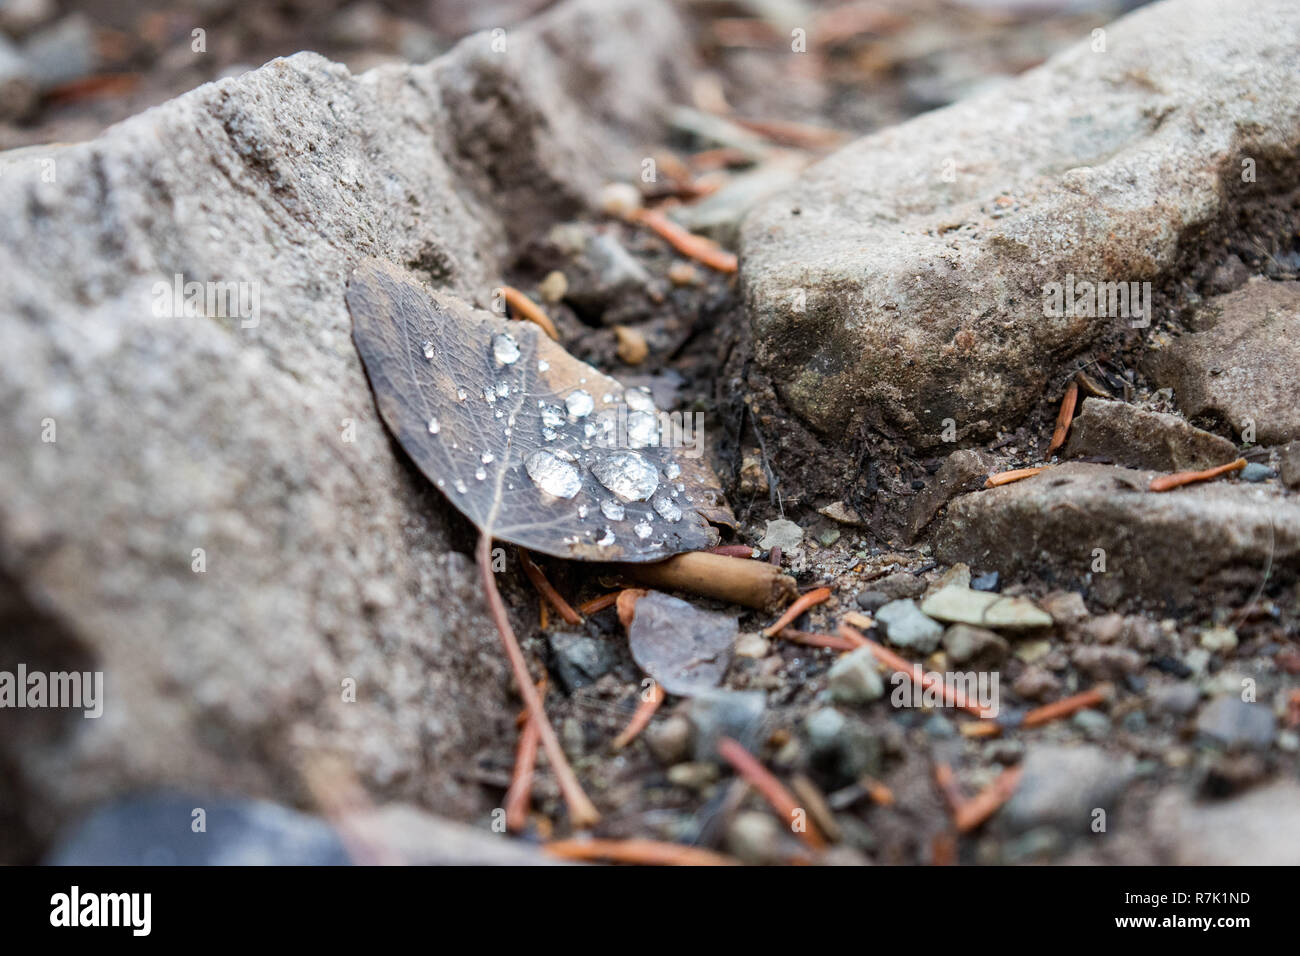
x,y
460,486
643,529
543,365
434,426
486,457
505,349
628,475
583,511
579,404
553,475
480,474
429,350
461,395
666,509
672,470
607,540
613,510
642,429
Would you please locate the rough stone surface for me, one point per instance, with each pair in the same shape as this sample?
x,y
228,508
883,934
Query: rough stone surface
x,y
906,626
1239,363
1135,438
959,605
1157,545
1259,828
961,471
919,254
965,643
1237,724
855,678
255,438
1062,786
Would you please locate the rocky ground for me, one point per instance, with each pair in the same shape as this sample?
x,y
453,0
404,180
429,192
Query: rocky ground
x,y
883,349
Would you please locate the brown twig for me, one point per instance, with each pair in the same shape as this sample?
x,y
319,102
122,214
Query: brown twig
x,y
740,581
1178,479
520,793
1064,418
736,551
1007,477
802,603
915,672
548,592
702,250
526,308
812,639
879,793
626,603
596,604
789,133
772,790
1047,713
641,719
582,811
644,852
983,805
947,784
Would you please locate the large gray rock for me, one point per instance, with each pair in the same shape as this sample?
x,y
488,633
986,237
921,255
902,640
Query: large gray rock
x,y
1065,786
1155,545
1239,362
1259,828
255,438
1136,438
905,275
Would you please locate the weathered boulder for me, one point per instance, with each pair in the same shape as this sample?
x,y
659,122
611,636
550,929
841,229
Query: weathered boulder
x,y
907,276
1239,363
204,504
1099,528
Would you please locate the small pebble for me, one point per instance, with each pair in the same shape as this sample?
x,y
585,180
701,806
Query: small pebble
x,y
683,273
985,582
619,199
1257,472
553,287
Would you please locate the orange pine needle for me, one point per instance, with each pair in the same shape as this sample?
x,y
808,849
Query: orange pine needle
x,y
526,308
812,639
702,250
988,801
626,604
1047,713
1007,477
1066,706
947,784
915,672
1064,418
641,719
588,608
879,793
1178,479
545,589
582,812
802,603
772,790
644,852
520,793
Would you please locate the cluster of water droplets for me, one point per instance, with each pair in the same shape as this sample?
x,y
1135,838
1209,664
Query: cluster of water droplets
x,y
628,475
